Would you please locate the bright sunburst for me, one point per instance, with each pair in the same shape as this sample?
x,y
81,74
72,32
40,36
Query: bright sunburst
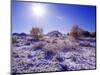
x,y
38,10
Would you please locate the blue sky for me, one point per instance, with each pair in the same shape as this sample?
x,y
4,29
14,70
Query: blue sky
x,y
59,17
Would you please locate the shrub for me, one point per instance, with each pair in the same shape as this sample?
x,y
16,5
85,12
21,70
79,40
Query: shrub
x,y
27,43
49,55
54,41
33,40
93,34
65,49
74,59
16,56
14,71
60,59
37,36
30,65
36,32
74,32
38,46
14,40
29,56
85,34
77,32
64,67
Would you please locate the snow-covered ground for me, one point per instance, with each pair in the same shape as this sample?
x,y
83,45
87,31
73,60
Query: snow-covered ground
x,y
53,54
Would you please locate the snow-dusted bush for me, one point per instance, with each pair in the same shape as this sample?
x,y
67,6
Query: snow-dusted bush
x,y
38,46
63,67
60,59
49,55
50,47
14,40
55,55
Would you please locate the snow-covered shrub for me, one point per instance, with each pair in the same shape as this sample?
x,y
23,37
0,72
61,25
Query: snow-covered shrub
x,y
63,67
29,56
74,59
27,43
60,59
32,40
49,55
65,49
15,55
38,46
86,44
30,65
14,40
50,47
54,40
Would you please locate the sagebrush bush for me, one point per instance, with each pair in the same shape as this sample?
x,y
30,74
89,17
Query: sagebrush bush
x,y
77,32
49,55
38,46
36,32
74,32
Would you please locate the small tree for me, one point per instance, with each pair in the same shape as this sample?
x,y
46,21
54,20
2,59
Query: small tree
x,y
36,32
77,32
74,31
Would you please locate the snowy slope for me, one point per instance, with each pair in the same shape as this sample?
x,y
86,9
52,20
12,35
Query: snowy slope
x,y
53,54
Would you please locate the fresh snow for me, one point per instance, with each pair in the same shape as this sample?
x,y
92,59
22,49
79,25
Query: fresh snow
x,y
28,56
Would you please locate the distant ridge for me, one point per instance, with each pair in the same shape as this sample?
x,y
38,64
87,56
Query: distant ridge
x,y
54,34
19,34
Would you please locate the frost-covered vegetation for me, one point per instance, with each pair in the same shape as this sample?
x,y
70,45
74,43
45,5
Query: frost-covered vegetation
x,y
53,52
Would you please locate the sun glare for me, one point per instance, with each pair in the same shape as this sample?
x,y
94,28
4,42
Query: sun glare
x,y
38,9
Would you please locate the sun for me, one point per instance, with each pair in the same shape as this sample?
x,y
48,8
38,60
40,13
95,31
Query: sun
x,y
38,10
